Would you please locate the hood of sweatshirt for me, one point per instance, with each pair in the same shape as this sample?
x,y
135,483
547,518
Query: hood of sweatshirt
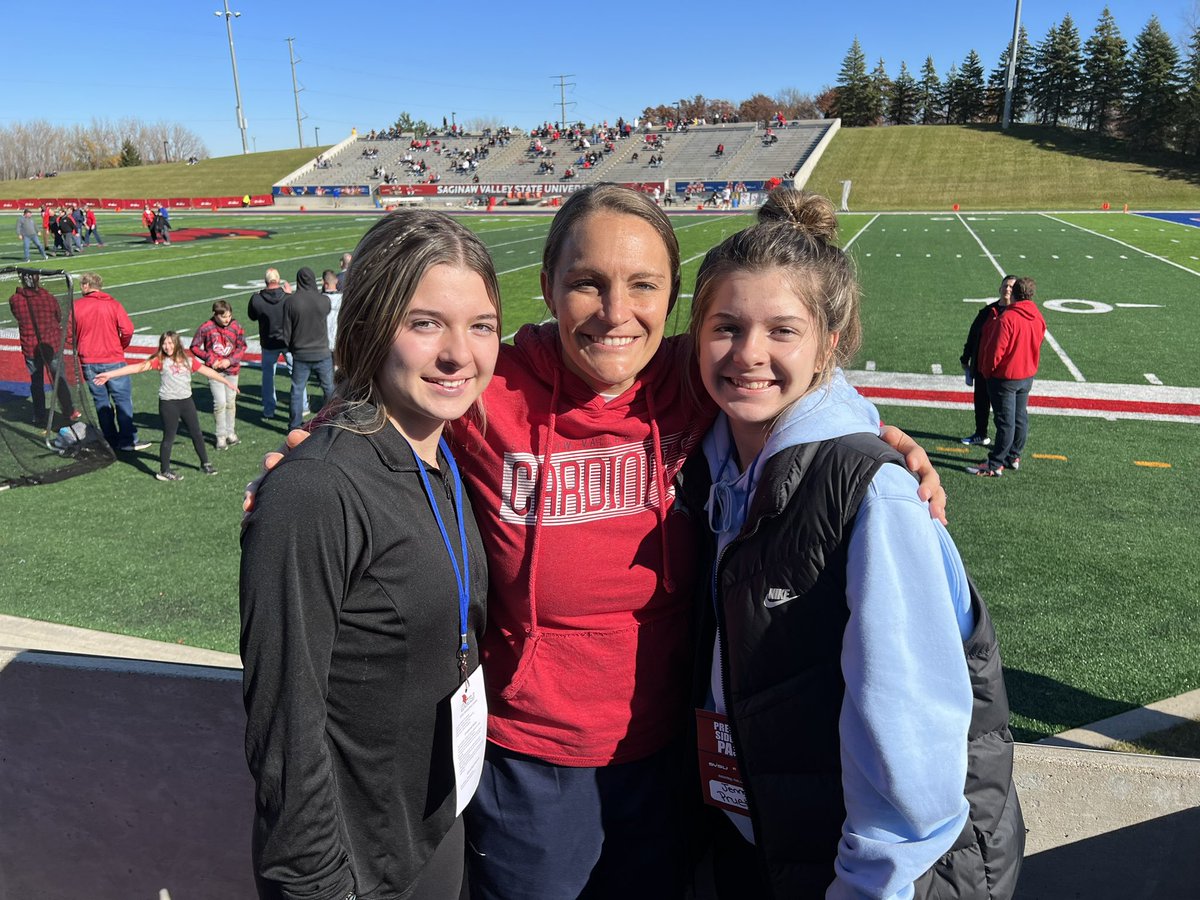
x,y
1026,309
273,295
832,411
306,280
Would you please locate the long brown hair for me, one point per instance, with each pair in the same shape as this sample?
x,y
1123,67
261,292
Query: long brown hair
x,y
388,265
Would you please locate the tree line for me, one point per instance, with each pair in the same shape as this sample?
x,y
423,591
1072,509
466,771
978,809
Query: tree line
x,y
38,148
793,103
1147,93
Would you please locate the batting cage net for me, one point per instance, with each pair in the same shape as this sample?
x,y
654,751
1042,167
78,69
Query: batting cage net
x,y
48,427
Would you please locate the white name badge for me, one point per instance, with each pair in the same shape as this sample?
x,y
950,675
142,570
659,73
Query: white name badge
x,y
468,716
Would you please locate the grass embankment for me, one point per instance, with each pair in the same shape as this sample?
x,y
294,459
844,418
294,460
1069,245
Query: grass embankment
x,y
224,176
981,167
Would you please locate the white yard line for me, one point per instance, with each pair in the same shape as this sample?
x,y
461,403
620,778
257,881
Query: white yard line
x,y
1054,345
859,232
1169,262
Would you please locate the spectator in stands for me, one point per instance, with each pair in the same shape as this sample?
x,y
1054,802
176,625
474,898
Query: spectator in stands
x,y
1009,352
306,333
39,325
720,150
175,401
91,229
100,330
266,308
28,233
970,362
341,275
220,344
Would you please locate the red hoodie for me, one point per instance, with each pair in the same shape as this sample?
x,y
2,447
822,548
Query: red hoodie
x,y
100,329
586,655
1011,345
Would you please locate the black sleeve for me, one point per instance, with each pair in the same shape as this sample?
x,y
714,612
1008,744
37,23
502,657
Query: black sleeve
x,y
299,549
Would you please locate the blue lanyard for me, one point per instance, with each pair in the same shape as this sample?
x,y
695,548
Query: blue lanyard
x,y
462,576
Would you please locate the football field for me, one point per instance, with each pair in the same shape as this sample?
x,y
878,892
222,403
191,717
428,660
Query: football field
x,y
1084,555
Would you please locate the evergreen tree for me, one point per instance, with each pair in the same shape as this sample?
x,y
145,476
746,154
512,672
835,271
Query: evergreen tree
x,y
1057,73
129,155
1189,114
998,80
902,109
971,101
929,95
854,93
951,94
1153,100
881,93
1104,75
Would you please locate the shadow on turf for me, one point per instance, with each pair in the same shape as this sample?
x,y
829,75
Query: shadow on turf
x,y
1046,699
1175,166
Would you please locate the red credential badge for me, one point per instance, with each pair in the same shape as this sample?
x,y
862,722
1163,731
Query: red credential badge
x,y
720,780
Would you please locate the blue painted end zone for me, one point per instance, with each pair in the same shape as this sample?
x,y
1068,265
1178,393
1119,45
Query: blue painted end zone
x,y
1179,218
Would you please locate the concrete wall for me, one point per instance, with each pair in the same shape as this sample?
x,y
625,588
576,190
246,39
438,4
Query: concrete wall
x,y
124,779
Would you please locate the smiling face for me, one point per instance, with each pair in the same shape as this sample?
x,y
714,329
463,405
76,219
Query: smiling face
x,y
760,351
167,345
442,356
610,292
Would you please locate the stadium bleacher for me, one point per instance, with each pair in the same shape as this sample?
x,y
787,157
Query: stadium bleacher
x,y
750,154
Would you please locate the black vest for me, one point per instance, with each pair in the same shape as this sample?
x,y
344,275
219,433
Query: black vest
x,y
785,698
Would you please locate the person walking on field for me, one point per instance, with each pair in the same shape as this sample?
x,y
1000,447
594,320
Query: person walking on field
x,y
306,332
970,363
39,323
100,330
1009,353
219,343
266,308
27,231
174,398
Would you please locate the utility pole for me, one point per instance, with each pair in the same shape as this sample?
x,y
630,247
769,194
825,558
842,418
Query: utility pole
x,y
317,134
563,84
166,155
237,90
1011,80
295,89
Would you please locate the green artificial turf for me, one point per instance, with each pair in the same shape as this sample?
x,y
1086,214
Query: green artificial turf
x,y
1084,561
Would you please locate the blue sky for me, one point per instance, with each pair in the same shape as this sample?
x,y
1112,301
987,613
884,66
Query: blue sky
x,y
362,63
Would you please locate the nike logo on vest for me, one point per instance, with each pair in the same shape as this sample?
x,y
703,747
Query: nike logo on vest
x,y
778,597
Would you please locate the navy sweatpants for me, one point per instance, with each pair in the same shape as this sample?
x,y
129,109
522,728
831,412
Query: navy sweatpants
x,y
539,831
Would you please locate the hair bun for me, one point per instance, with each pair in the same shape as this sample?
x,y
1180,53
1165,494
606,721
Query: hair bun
x,y
805,211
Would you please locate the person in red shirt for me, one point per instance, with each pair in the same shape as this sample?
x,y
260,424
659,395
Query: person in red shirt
x,y
1009,353
90,229
39,322
100,330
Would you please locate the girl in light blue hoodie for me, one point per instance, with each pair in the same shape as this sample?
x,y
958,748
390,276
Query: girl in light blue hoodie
x,y
837,709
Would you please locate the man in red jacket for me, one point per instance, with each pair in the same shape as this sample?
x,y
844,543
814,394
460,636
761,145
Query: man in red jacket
x,y
100,331
1009,352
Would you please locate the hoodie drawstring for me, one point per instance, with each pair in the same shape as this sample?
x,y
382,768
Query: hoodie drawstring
x,y
660,471
533,634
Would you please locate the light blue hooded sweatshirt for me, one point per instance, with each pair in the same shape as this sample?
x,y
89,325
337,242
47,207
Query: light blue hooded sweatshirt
x,y
907,706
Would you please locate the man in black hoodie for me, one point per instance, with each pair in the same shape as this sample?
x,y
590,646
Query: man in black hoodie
x,y
306,332
266,308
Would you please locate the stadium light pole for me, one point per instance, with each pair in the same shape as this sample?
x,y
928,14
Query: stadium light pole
x,y
1011,79
237,89
317,135
166,154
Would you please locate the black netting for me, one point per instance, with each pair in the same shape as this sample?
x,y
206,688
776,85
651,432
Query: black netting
x,y
48,427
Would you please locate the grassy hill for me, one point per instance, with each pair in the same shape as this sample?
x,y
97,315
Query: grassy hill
x,y
253,173
981,167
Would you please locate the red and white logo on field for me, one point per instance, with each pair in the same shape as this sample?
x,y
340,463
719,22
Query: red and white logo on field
x,y
204,234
